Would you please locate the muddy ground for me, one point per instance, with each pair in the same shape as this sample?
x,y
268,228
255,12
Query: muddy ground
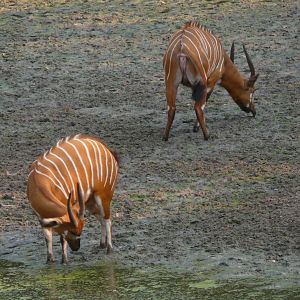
x,y
85,67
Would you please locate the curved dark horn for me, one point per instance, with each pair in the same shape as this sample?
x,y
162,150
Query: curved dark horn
x,y
252,70
232,52
70,212
81,203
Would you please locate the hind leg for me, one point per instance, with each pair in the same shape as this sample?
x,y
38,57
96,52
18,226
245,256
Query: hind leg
x,y
171,92
106,224
197,125
64,245
172,80
200,95
48,237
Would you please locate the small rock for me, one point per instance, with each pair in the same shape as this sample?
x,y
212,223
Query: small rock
x,y
223,264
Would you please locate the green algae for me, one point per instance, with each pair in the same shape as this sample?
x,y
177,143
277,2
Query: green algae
x,y
111,281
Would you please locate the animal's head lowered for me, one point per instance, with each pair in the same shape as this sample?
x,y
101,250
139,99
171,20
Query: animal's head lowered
x,y
245,97
75,226
76,222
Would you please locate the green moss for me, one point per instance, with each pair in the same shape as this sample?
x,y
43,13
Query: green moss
x,y
205,284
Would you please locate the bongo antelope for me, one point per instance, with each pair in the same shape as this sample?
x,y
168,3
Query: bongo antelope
x,y
196,58
79,173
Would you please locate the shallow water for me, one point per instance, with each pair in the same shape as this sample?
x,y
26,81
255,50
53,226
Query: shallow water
x,y
110,281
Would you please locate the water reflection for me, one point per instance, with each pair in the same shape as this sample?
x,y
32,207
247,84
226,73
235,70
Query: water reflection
x,y
110,281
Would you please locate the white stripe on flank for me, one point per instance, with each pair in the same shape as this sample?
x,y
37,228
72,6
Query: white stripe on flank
x,y
201,41
41,173
100,160
217,53
199,58
206,42
30,172
198,55
60,184
196,38
95,153
74,166
106,163
210,52
58,171
213,55
89,159
116,168
174,37
178,40
57,144
65,165
97,158
218,46
220,60
82,163
112,166
222,63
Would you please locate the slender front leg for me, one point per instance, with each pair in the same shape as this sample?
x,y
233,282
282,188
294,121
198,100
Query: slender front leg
x,y
108,227
48,237
199,107
106,238
103,243
171,92
64,246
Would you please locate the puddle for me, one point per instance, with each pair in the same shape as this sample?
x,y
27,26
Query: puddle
x,y
111,281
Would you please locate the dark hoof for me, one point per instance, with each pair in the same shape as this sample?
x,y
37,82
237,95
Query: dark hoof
x,y
103,245
165,138
64,261
109,250
206,137
50,260
195,128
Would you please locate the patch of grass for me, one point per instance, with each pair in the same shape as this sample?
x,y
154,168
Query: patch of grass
x,y
137,197
205,284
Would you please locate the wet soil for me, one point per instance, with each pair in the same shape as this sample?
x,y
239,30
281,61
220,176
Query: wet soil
x,y
74,67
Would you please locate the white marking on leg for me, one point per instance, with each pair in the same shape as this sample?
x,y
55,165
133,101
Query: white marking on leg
x,y
108,232
48,236
98,202
46,221
203,105
64,246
